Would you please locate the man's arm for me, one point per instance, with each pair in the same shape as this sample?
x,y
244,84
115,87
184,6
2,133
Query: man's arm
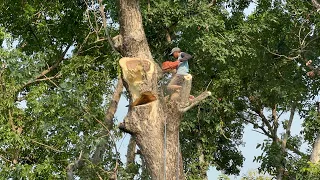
x,y
185,57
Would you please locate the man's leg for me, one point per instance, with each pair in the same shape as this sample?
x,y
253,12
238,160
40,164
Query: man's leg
x,y
174,84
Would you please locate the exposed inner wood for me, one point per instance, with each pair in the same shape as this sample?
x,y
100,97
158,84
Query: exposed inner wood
x,y
137,73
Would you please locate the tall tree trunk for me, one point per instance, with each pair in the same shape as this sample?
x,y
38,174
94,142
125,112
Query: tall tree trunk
x,y
285,138
315,155
146,122
149,111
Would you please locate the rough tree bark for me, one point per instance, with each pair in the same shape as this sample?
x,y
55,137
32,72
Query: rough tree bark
x,y
315,155
146,119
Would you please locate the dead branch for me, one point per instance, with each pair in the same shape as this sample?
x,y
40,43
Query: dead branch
x,y
104,21
48,78
13,127
212,3
5,159
281,55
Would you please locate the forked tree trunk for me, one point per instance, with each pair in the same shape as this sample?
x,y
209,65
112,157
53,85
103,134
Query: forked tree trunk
x,y
149,110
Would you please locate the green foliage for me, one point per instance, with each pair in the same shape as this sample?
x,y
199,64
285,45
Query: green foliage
x,y
311,125
253,63
48,120
223,177
312,171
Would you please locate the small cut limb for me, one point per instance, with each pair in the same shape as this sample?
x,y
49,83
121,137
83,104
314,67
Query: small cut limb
x,y
196,101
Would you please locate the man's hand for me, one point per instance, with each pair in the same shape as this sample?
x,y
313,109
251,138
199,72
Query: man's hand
x,y
310,74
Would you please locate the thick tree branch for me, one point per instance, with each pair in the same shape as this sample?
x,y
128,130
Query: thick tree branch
x,y
314,157
185,91
288,128
275,120
104,21
265,132
284,142
73,166
266,122
114,104
169,31
100,148
292,148
112,108
264,119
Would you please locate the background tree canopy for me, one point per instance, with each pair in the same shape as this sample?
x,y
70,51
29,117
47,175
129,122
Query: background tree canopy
x,y
58,69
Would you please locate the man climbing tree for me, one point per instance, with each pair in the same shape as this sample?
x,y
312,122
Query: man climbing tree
x,y
182,68
147,122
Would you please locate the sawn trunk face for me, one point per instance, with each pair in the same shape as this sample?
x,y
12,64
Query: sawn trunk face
x,y
146,119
